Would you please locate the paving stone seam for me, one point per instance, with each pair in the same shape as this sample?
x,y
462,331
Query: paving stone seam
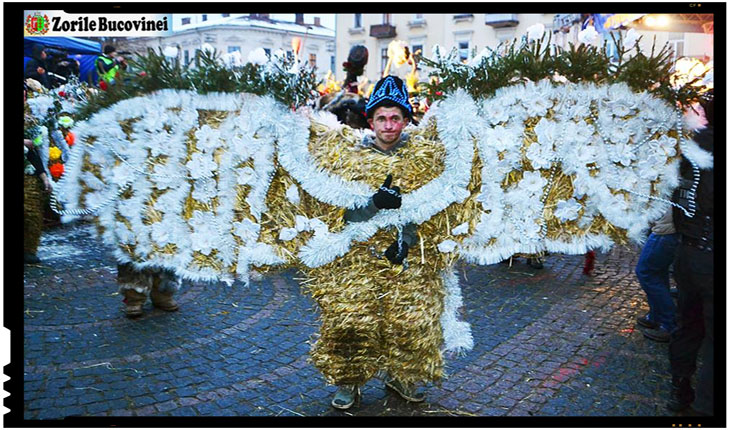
x,y
556,312
221,392
279,299
188,296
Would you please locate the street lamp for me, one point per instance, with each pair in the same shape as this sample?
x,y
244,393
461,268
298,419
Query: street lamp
x,y
659,21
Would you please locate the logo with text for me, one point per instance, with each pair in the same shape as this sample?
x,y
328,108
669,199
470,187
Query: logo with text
x,y
37,23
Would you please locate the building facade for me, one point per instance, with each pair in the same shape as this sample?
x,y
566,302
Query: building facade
x,y
473,32
245,33
465,32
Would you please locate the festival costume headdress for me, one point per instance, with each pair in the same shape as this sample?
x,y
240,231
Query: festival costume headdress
x,y
390,88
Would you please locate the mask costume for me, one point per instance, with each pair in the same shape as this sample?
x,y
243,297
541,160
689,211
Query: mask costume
x,y
213,186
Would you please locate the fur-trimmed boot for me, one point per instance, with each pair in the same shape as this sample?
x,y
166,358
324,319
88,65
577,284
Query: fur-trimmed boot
x,y
133,302
134,285
163,288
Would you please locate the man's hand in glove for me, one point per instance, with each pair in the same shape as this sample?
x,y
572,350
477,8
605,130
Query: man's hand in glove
x,y
392,253
387,197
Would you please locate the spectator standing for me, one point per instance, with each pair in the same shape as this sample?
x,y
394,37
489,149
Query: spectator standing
x,y
694,273
652,270
109,65
35,182
37,67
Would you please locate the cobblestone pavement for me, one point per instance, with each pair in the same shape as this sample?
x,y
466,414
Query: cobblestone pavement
x,y
549,342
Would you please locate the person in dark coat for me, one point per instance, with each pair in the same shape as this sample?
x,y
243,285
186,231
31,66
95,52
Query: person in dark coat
x,y
37,67
694,273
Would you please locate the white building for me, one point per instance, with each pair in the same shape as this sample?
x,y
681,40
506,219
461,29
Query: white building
x,y
689,35
244,33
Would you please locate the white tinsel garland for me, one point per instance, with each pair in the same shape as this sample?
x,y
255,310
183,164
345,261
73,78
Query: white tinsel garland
x,y
205,231
512,218
457,334
455,117
616,153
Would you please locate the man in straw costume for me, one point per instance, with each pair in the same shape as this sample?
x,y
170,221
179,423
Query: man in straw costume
x,y
359,337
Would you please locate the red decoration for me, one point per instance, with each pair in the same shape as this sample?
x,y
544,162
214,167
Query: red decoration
x,y
589,264
103,85
143,74
56,170
70,139
62,93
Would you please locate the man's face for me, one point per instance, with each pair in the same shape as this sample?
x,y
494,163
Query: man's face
x,y
43,55
388,124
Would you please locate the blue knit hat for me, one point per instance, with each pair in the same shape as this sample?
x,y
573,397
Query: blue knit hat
x,y
390,90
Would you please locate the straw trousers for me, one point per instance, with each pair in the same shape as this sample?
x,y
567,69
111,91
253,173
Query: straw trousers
x,y
32,213
385,320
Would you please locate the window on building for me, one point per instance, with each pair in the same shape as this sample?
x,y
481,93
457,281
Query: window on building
x,y
205,17
418,16
268,52
383,59
225,15
312,60
464,50
417,49
332,63
290,55
386,18
676,42
187,57
233,49
358,20
185,21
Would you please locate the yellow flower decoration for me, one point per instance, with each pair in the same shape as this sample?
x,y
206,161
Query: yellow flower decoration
x,y
54,153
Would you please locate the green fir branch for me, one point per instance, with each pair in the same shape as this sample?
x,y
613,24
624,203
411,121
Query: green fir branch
x,y
514,62
276,78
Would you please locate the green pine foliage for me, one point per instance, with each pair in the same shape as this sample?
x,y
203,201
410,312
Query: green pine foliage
x,y
515,62
154,71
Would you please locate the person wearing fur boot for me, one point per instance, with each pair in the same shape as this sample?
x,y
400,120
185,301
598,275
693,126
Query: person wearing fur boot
x,y
135,285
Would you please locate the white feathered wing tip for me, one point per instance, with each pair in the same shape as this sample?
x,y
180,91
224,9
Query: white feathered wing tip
x,y
457,334
692,151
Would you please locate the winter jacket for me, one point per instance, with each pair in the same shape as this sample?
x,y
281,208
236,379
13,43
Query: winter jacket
x,y
31,69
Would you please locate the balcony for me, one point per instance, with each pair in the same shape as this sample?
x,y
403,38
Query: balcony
x,y
417,23
499,20
464,17
382,31
356,30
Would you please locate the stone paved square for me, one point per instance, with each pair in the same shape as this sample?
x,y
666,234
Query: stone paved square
x,y
550,342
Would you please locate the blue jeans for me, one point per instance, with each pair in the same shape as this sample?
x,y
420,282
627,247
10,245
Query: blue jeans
x,y
653,273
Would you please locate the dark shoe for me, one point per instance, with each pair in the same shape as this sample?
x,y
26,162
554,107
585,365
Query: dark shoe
x,y
658,334
647,322
681,394
345,396
674,292
535,263
30,258
408,393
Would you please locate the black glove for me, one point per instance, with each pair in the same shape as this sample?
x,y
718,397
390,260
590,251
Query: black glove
x,y
392,253
386,200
